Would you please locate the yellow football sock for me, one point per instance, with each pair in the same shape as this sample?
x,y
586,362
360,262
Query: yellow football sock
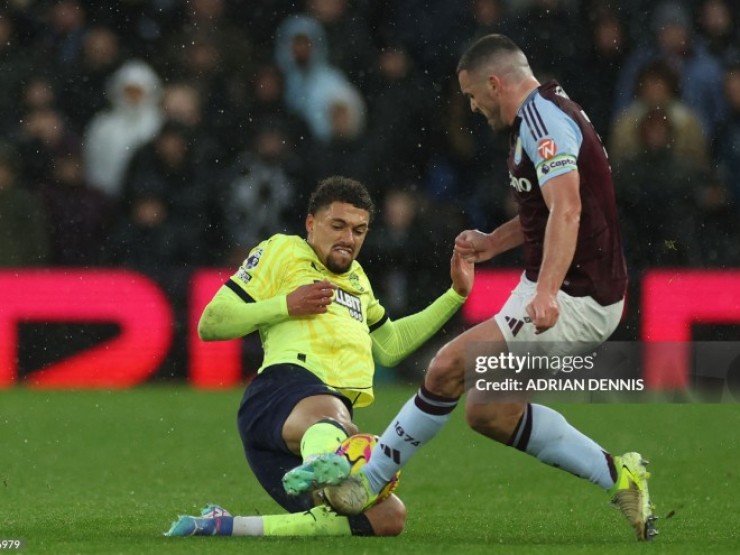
x,y
319,521
323,437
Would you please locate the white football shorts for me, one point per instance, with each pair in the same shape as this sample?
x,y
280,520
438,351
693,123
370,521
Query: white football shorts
x,y
583,323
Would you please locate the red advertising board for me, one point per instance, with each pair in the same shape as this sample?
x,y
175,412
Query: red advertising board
x,y
671,302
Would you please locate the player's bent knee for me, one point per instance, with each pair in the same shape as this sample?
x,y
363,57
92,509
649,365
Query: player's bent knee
x,y
446,373
311,410
497,421
388,518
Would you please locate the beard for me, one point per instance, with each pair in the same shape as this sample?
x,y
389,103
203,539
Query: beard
x,y
337,266
495,118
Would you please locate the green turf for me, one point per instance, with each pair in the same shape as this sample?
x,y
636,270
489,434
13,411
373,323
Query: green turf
x,y
106,472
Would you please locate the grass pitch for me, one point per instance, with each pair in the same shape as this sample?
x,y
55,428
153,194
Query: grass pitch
x,y
107,472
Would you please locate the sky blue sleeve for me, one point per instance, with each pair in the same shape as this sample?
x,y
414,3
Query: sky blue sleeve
x,y
551,139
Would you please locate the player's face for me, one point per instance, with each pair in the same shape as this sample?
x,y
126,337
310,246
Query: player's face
x,y
336,233
481,92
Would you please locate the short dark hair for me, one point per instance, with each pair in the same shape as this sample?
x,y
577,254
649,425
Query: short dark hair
x,y
341,189
482,49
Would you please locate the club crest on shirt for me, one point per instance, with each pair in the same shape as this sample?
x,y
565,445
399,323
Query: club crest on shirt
x,y
518,151
354,281
560,92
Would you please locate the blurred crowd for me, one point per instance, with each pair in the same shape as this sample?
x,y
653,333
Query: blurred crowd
x,y
167,135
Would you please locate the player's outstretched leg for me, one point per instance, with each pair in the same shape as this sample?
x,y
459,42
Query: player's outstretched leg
x,y
213,521
321,466
630,494
384,519
545,434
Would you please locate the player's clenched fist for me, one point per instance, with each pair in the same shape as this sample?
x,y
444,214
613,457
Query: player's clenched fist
x,y
544,311
311,299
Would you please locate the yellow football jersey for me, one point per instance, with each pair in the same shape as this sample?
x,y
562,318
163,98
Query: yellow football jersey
x,y
336,345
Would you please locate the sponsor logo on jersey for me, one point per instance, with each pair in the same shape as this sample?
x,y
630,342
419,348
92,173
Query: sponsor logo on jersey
x,y
351,302
547,148
559,162
243,275
253,259
520,184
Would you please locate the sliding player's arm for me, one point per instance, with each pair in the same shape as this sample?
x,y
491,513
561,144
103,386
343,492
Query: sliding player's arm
x,y
230,315
234,313
394,341
255,295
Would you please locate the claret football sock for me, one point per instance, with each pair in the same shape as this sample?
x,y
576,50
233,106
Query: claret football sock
x,y
420,419
322,437
547,435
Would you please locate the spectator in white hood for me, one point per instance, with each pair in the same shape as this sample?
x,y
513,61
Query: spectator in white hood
x,y
134,118
311,83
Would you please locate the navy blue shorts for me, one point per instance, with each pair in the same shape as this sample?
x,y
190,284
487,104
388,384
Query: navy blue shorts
x,y
268,401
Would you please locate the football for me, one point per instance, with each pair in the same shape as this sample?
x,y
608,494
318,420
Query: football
x,y
357,449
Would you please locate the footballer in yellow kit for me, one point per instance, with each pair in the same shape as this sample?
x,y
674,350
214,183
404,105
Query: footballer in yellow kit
x,y
322,329
337,346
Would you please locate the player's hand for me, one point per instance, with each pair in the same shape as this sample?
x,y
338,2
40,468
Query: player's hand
x,y
474,246
462,273
543,309
311,299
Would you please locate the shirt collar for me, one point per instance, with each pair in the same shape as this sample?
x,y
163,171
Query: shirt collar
x,y
529,97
